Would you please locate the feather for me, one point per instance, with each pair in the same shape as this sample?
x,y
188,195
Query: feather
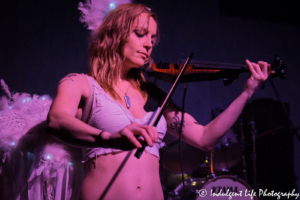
x,y
19,115
94,11
5,88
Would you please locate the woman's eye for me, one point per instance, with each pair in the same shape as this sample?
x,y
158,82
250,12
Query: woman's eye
x,y
138,34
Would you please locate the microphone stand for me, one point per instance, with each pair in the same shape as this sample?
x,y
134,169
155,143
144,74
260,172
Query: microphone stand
x,y
254,133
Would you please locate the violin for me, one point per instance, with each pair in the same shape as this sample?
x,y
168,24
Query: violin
x,y
205,71
199,71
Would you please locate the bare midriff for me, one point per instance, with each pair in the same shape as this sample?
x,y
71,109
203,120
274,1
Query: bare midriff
x,y
138,179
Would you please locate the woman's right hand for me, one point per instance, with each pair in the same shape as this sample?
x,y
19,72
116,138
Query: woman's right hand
x,y
130,137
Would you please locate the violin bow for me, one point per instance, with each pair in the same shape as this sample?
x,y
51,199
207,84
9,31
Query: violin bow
x,y
159,113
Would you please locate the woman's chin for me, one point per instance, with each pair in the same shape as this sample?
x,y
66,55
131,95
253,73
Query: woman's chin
x,y
138,65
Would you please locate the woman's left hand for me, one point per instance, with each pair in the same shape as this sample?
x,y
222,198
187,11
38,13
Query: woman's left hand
x,y
259,73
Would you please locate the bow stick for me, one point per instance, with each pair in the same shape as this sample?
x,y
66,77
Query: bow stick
x,y
159,113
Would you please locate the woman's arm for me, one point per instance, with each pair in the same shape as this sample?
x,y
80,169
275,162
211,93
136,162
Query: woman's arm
x,y
206,137
64,124
64,114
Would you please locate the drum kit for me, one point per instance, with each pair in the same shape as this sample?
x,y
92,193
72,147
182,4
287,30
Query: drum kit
x,y
212,172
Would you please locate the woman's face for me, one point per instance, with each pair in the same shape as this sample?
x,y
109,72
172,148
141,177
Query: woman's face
x,y
140,42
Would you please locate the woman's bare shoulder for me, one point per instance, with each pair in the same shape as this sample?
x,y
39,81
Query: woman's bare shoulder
x,y
74,82
73,77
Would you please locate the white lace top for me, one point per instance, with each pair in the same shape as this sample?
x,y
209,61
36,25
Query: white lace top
x,y
109,115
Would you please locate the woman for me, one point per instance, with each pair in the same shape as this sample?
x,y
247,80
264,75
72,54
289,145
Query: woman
x,y
121,45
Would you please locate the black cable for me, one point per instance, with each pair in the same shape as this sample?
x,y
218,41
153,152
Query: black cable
x,y
180,133
291,123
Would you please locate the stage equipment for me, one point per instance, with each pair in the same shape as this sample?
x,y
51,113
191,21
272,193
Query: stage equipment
x,y
227,152
192,157
199,188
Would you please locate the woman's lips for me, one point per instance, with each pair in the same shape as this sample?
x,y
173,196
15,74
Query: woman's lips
x,y
144,54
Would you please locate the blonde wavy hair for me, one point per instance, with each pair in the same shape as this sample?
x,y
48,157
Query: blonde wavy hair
x,y
106,53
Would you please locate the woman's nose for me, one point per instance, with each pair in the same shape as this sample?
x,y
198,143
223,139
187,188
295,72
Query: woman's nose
x,y
148,43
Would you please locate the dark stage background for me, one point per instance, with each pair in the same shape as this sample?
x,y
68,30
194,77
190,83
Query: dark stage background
x,y
42,41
